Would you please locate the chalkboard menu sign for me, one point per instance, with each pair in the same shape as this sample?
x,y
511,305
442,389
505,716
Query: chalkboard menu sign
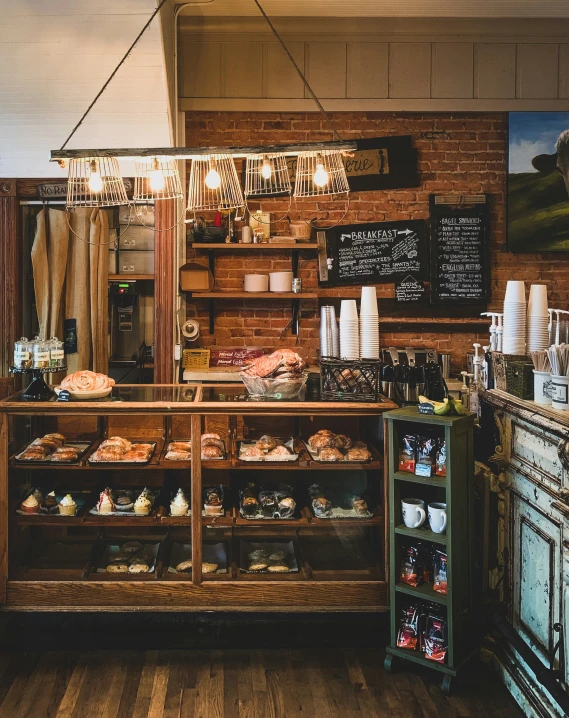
x,y
372,253
409,289
460,250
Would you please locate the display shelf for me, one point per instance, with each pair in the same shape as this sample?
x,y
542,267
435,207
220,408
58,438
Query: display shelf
x,y
418,658
423,534
263,246
424,591
255,295
414,479
131,277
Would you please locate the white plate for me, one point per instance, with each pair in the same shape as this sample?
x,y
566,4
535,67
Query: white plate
x,y
96,394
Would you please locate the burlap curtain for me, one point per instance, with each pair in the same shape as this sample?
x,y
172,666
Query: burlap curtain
x,y
70,281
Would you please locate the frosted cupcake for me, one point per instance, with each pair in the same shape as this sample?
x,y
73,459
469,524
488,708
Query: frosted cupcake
x,y
30,505
142,505
179,505
67,507
106,505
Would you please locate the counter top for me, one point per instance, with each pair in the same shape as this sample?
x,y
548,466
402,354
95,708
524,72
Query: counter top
x,y
552,420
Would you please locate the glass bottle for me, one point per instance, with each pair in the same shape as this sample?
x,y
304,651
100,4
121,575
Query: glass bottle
x,y
23,353
40,354
56,353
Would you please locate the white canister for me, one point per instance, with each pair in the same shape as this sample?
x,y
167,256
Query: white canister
x,y
246,235
255,283
280,281
560,392
541,387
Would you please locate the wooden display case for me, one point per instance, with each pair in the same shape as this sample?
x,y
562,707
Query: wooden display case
x,y
54,562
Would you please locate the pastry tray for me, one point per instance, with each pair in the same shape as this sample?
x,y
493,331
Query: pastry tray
x,y
173,441
246,547
315,456
339,513
130,513
91,460
81,445
218,458
289,443
212,552
80,499
148,549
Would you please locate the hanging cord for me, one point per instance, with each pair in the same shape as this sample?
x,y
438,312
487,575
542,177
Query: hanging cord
x,y
114,72
315,226
96,244
300,73
280,219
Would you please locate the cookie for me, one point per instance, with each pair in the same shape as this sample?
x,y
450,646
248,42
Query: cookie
x,y
117,568
184,567
258,565
209,567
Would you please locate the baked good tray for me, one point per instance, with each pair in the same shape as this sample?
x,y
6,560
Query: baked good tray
x,y
289,443
83,446
212,552
247,547
315,456
143,462
114,550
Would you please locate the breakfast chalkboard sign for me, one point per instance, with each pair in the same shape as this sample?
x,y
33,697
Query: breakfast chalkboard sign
x,y
371,253
460,249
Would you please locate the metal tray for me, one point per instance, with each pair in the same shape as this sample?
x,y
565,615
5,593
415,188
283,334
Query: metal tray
x,y
289,443
82,445
128,463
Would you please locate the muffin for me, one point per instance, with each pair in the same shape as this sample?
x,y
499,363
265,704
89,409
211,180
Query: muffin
x,y
50,501
106,505
67,507
142,505
30,505
179,505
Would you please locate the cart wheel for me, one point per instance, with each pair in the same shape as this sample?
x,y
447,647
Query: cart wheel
x,y
388,663
446,685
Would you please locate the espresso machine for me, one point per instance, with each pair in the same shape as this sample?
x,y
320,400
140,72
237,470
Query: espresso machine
x,y
403,372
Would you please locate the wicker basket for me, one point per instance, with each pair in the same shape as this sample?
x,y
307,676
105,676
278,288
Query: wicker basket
x,y
342,380
519,379
195,359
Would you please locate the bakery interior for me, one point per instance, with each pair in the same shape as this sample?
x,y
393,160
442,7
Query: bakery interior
x,y
284,382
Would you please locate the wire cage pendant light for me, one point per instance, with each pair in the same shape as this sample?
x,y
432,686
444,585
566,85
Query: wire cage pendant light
x,y
320,173
156,178
267,175
214,184
95,182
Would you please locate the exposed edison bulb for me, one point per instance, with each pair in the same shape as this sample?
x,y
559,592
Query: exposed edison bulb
x,y
95,179
320,177
266,169
156,177
212,178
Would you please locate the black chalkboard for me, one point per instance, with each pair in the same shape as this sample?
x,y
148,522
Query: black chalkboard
x,y
372,253
460,250
409,289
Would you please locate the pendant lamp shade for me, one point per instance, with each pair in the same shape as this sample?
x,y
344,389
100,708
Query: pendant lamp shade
x,y
95,182
267,175
156,178
320,173
214,184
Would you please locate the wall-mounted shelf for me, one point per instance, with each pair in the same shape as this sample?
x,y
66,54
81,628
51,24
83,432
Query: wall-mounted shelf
x,y
229,247
131,277
255,295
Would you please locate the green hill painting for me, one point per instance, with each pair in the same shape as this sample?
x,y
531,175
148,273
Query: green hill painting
x,y
538,200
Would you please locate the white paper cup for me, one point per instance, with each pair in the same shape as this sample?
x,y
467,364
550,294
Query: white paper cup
x,y
542,387
369,302
537,304
515,291
348,310
560,393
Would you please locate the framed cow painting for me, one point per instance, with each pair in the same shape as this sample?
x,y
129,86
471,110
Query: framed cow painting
x,y
538,182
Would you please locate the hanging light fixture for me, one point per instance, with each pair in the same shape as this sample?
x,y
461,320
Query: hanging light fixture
x,y
95,182
320,173
156,178
266,175
214,184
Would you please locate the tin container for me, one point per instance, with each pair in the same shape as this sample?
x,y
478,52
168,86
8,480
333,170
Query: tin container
x,y
297,285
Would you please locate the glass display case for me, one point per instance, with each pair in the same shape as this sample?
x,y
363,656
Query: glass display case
x,y
191,498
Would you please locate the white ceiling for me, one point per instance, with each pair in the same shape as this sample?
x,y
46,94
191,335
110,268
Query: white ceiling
x,y
383,8
56,55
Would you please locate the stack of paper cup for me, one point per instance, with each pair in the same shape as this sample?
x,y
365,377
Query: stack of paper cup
x,y
349,330
369,324
514,337
329,338
538,319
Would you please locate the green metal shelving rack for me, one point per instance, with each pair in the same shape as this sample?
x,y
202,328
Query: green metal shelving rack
x,y
456,489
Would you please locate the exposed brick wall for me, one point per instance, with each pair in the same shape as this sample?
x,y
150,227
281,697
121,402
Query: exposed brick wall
x,y
459,153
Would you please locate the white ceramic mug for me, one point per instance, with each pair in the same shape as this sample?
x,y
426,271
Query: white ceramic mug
x,y
438,517
541,387
413,511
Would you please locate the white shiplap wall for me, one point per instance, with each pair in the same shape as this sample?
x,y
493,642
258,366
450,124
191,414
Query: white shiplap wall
x,y
55,56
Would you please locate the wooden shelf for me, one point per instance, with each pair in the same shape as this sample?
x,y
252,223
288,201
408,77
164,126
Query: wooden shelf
x,y
263,247
421,534
424,591
418,657
131,277
426,480
254,295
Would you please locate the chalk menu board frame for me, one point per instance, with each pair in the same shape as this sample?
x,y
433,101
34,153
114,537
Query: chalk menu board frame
x,y
460,207
385,236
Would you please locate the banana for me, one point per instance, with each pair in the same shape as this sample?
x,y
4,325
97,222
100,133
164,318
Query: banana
x,y
459,407
440,407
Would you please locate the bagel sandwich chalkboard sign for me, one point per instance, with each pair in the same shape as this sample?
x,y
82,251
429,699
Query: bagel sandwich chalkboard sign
x,y
372,253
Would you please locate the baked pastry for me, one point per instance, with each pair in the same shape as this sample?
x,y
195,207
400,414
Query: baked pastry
x,y
184,567
139,564
278,567
277,556
282,361
260,564
50,501
131,546
105,505
57,437
180,446
135,455
85,380
123,501
67,454
269,504
357,454
142,505
175,455
321,441
258,553
330,454
281,450
211,435
360,445
108,453
286,507
266,443
30,505
321,506
49,445
125,444
209,567
212,452
34,453
252,452
341,441
117,568
179,505
213,442
67,507
359,505
249,505
213,495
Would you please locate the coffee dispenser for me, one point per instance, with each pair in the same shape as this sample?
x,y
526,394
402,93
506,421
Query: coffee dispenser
x,y
124,319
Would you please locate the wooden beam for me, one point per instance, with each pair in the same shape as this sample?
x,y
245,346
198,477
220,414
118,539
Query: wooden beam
x,y
164,283
10,270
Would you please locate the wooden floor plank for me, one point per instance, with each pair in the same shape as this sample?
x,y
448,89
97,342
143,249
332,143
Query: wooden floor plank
x,y
144,693
160,686
69,700
119,674
135,664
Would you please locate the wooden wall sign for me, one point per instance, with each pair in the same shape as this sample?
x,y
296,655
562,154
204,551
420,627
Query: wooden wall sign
x,y
372,253
460,249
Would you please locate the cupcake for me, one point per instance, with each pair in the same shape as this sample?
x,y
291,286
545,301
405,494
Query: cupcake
x,y
30,505
179,505
142,505
67,507
50,500
38,496
106,505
